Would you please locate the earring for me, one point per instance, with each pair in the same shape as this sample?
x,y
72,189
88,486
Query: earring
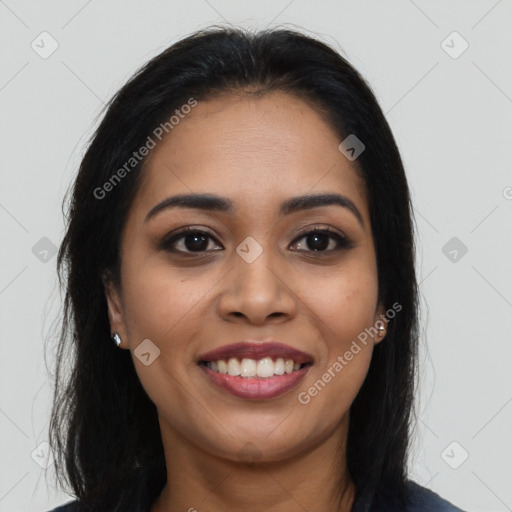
x,y
116,339
382,329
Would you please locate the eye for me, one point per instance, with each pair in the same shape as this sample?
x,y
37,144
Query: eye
x,y
323,240
193,240
190,240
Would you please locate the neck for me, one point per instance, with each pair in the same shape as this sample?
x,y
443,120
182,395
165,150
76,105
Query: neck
x,y
314,480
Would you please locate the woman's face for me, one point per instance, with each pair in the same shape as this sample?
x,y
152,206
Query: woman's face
x,y
253,276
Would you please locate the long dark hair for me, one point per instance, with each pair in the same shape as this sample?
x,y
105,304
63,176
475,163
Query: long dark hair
x,y
104,429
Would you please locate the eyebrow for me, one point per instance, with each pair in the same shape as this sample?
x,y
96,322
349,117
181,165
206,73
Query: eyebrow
x,y
213,202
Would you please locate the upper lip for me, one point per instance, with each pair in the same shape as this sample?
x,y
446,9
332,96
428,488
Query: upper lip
x,y
257,351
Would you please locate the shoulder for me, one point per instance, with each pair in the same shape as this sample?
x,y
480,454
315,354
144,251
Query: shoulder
x,y
72,506
421,499
418,499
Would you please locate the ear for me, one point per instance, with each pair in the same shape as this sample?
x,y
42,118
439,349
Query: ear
x,y
380,323
115,309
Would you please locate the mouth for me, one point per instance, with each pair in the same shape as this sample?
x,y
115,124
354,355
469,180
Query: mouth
x,y
256,370
251,368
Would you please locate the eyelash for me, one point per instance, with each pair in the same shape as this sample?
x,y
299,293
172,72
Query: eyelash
x,y
343,242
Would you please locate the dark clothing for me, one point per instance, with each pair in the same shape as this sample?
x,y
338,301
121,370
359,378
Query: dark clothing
x,y
420,499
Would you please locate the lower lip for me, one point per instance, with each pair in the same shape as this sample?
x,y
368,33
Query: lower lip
x,y
256,388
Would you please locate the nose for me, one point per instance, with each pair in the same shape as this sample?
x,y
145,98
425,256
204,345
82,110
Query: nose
x,y
257,292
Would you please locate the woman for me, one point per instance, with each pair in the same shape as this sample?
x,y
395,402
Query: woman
x,y
241,228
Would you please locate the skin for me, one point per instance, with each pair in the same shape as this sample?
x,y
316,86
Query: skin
x,y
258,152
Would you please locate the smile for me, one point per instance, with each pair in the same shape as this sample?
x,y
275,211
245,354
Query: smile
x,y
246,368
256,388
254,370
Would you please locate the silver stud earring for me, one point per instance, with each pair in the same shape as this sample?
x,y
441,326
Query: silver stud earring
x,y
116,339
382,329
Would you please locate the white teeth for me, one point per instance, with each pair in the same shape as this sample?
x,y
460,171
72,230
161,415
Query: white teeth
x,y
248,368
265,367
223,367
262,368
279,366
233,367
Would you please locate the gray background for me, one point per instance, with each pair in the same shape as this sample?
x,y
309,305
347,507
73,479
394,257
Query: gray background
x,y
451,119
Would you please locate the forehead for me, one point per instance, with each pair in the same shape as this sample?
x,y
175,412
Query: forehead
x,y
249,148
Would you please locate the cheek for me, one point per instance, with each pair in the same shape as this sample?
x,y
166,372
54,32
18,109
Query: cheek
x,y
344,307
165,307
352,311
344,302
159,300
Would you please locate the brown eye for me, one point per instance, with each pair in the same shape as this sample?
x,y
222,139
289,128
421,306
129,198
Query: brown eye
x,y
323,240
190,240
